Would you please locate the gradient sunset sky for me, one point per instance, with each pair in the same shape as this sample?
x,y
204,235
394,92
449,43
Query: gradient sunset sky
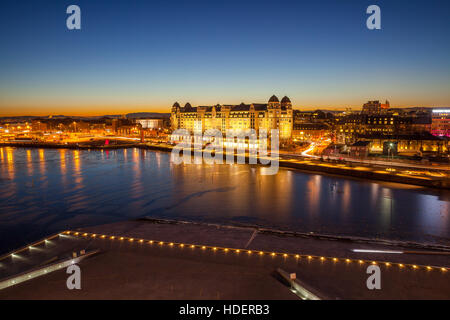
x,y
136,55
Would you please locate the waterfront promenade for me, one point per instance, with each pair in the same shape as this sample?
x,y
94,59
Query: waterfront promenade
x,y
425,176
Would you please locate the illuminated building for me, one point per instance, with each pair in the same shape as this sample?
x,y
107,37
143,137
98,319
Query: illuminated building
x,y
124,127
418,144
380,124
154,124
115,125
351,126
271,115
359,149
375,107
440,122
309,131
311,125
38,125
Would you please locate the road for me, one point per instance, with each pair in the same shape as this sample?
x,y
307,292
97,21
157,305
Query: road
x,y
307,153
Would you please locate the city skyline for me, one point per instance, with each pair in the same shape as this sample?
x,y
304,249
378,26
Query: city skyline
x,y
108,111
145,58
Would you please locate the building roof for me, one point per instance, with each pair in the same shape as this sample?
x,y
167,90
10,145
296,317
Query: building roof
x,y
285,100
241,107
274,99
260,106
235,108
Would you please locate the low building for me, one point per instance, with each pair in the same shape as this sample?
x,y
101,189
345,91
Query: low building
x,y
417,144
38,125
153,124
309,131
360,149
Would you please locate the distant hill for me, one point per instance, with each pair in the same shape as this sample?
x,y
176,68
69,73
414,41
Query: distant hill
x,y
136,115
20,118
148,115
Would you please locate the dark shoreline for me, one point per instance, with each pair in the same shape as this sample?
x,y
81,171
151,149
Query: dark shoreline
x,y
298,234
365,175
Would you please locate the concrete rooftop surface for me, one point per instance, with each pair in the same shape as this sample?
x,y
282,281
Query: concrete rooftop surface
x,y
176,260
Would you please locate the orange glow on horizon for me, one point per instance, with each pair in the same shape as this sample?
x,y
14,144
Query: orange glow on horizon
x,y
91,111
11,109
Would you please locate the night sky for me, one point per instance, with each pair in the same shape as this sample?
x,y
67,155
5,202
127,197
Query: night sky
x,y
140,55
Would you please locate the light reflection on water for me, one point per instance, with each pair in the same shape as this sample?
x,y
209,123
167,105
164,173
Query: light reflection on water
x,y
46,190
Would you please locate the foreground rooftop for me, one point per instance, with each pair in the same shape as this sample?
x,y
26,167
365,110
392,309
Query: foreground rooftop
x,y
150,259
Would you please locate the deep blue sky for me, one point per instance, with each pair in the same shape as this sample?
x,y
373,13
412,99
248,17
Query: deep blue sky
x,y
140,55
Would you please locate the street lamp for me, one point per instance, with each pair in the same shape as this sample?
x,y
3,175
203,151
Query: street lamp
x,y
391,145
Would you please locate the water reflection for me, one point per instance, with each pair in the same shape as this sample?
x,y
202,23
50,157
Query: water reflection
x,y
63,166
62,160
29,163
42,163
77,175
346,197
48,190
10,161
313,198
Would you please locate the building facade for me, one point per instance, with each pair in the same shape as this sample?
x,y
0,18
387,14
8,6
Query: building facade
x,y
257,116
440,122
154,124
309,132
375,107
408,144
353,125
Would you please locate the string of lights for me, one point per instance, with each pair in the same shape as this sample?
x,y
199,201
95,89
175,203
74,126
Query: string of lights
x,y
258,252
30,246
